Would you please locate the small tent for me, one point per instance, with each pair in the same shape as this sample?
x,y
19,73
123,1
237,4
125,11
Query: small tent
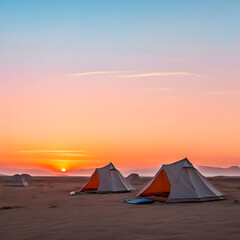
x,y
107,179
27,178
134,179
17,181
181,182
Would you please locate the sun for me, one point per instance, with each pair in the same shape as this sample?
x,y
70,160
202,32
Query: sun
x,y
63,169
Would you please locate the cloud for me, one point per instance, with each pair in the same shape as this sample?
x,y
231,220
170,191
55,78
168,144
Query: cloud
x,y
159,89
67,153
95,73
51,151
159,74
137,74
67,160
74,154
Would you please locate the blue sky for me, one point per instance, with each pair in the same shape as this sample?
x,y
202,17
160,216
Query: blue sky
x,y
102,34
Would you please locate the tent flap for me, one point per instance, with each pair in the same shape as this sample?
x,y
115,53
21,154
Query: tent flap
x,y
160,185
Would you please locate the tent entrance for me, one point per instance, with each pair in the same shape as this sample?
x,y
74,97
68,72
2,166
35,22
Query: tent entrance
x,y
93,183
159,187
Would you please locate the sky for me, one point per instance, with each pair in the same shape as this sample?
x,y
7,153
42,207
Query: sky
x,y
138,83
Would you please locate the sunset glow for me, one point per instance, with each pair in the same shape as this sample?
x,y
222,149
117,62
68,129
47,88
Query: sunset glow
x,y
150,86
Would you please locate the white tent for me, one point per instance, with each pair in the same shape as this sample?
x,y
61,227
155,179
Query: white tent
x,y
134,178
107,179
17,181
181,182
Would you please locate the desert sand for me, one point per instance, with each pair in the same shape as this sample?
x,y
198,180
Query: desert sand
x,y
45,210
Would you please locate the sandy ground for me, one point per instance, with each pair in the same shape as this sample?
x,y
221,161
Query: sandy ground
x,y
45,210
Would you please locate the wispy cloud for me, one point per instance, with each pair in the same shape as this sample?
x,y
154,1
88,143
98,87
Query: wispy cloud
x,y
159,89
51,151
159,74
133,74
67,160
74,154
95,73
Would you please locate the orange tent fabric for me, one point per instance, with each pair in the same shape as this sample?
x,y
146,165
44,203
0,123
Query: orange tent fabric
x,y
160,185
93,183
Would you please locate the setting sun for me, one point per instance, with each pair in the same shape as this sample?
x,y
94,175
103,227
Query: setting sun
x,y
63,170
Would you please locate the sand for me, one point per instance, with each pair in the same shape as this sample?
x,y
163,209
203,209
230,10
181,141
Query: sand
x,y
45,210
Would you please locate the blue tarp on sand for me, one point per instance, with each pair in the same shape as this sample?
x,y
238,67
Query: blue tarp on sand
x,y
138,201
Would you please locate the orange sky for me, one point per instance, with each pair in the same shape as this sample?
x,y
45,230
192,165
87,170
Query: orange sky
x,y
133,127
90,85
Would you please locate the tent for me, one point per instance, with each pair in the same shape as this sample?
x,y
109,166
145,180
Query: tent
x,y
27,178
17,181
181,182
134,179
107,179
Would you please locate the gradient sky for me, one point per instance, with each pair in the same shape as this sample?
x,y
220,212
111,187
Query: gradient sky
x,y
139,83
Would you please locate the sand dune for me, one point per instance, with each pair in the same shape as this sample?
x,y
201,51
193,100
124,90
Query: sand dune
x,y
45,210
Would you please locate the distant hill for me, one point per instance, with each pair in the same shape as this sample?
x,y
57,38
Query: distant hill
x,y
205,170
83,172
33,172
141,172
217,171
